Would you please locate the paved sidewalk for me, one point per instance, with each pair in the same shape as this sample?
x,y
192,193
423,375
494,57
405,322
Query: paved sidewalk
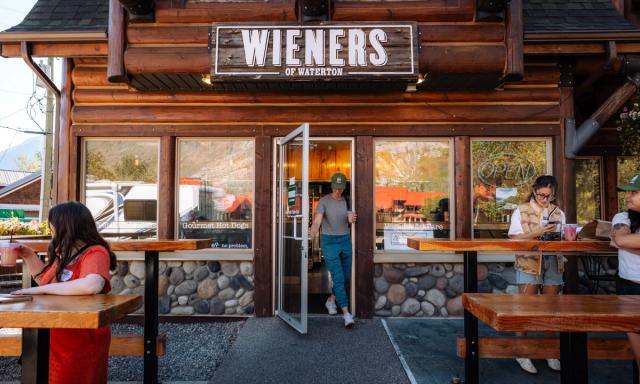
x,y
269,351
428,346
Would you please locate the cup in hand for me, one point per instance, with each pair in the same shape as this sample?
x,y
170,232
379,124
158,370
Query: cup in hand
x,y
570,232
351,216
9,252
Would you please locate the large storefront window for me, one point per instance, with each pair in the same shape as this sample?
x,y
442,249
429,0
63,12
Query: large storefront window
x,y
588,190
121,186
215,191
412,190
628,166
503,172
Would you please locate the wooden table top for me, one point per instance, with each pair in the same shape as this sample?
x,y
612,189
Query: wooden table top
x,y
560,313
508,245
138,245
49,311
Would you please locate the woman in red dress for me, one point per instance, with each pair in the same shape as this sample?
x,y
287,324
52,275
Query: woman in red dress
x,y
78,263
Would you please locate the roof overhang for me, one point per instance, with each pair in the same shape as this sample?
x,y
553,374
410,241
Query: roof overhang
x,y
10,37
581,36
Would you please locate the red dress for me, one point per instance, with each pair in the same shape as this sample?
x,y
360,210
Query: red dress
x,y
80,355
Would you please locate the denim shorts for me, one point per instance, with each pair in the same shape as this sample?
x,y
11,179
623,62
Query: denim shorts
x,y
548,276
626,287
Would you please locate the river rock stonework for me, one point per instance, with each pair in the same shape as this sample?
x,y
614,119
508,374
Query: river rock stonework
x,y
434,290
193,288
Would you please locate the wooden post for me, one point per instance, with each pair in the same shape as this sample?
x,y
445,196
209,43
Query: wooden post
x,y
116,72
566,168
166,188
462,175
64,150
610,182
365,239
262,235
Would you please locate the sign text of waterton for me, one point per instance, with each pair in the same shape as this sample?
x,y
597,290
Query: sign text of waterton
x,y
332,52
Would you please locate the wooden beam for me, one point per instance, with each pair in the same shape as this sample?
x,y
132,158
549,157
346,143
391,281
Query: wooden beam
x,y
365,236
513,40
208,12
64,124
371,128
67,49
293,114
544,348
462,180
167,189
263,253
425,10
117,25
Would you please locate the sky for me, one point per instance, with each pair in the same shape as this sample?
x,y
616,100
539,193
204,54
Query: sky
x,y
17,86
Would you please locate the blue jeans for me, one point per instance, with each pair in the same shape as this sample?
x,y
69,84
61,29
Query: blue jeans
x,y
548,276
336,251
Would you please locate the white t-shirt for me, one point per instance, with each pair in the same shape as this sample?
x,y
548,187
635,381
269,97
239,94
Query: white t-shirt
x,y
628,263
516,225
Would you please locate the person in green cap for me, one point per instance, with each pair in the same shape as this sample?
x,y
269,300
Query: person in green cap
x,y
334,215
625,235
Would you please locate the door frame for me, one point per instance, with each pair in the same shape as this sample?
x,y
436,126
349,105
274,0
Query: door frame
x,y
274,232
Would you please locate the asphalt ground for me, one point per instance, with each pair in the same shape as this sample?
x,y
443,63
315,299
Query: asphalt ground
x,y
267,350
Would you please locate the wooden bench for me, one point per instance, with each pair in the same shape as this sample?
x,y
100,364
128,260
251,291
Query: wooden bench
x,y
506,347
573,316
121,345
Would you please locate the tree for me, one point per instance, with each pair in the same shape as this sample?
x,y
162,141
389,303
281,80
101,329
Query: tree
x,y
96,168
131,168
24,163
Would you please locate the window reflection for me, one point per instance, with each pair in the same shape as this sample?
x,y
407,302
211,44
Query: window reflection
x,y
215,191
412,188
121,187
503,172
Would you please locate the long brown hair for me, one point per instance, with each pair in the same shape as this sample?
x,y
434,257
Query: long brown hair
x,y
73,225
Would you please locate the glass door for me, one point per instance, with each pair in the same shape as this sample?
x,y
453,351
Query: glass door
x,y
292,181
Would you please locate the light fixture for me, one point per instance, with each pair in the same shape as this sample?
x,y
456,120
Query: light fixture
x,y
206,78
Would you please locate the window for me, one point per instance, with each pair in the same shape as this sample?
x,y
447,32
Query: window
x,y
588,190
627,168
215,191
503,172
412,190
121,186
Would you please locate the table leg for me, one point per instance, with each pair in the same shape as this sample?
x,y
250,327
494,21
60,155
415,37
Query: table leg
x,y
150,316
636,376
471,368
35,356
574,358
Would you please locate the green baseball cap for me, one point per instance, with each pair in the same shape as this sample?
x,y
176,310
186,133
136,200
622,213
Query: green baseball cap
x,y
338,181
633,185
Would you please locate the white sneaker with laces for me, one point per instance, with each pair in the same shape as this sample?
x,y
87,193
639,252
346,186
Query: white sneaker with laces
x,y
348,320
527,365
554,364
331,307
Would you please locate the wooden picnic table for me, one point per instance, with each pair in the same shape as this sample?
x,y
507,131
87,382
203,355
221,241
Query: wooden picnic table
x,y
151,249
44,312
470,249
571,315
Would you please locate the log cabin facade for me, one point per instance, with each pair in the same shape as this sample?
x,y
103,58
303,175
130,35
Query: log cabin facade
x,y
486,110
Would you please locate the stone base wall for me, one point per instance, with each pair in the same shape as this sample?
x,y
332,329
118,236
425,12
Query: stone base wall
x,y
193,287
434,290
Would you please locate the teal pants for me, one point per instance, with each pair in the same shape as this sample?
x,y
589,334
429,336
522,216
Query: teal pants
x,y
336,251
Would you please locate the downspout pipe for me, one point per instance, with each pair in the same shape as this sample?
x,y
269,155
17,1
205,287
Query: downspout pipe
x,y
576,138
25,51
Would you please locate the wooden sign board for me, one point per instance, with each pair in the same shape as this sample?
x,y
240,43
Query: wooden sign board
x,y
328,51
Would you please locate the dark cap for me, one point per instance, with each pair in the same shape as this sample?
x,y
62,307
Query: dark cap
x,y
338,181
633,185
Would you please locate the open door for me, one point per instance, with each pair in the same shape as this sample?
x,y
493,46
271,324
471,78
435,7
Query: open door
x,y
292,181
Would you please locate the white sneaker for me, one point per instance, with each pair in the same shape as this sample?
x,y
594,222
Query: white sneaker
x,y
331,307
348,320
554,364
527,365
